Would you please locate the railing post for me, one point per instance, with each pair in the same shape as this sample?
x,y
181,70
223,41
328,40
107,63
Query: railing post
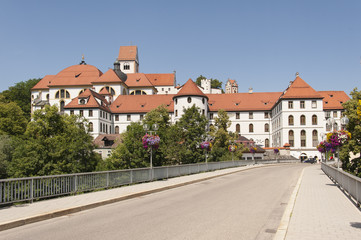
x,y
107,179
32,190
167,172
75,183
131,176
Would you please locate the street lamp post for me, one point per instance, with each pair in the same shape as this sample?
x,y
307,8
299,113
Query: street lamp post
x,y
322,135
151,132
232,142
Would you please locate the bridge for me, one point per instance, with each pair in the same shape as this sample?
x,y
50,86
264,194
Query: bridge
x,y
278,201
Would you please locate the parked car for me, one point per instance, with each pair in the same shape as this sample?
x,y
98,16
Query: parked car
x,y
310,160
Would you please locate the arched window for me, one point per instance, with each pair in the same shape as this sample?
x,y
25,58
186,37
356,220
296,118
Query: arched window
x,y
138,92
335,127
109,89
266,142
238,128
303,138
291,139
314,120
266,127
81,91
90,127
126,66
62,93
290,120
117,130
250,127
314,138
47,96
62,104
303,120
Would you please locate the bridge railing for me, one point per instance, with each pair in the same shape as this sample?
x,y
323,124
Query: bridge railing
x,y
34,188
348,182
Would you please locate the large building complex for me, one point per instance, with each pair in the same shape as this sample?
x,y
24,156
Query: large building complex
x,y
110,101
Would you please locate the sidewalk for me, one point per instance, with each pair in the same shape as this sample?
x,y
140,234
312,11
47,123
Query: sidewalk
x,y
28,213
322,211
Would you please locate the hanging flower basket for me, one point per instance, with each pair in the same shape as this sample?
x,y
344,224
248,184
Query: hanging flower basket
x,y
338,138
206,145
232,148
276,150
253,150
151,141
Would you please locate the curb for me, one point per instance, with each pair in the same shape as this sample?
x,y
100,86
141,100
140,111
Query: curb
x,y
283,227
47,216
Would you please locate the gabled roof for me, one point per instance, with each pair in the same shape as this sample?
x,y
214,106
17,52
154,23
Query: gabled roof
x,y
76,75
234,102
333,99
141,103
43,83
138,80
94,100
233,82
190,88
105,92
161,79
99,140
108,77
300,89
128,53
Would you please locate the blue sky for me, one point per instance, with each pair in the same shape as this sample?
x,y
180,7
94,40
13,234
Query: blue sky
x,y
260,44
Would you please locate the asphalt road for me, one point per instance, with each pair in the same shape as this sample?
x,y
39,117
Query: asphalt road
x,y
243,205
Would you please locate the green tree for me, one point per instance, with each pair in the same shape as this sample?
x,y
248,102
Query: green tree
x,y
21,95
221,137
54,144
6,149
215,83
130,153
354,127
12,120
193,128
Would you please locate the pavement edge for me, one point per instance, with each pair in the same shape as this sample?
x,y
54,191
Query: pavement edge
x,y
283,227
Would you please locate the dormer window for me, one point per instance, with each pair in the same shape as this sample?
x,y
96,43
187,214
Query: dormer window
x,y
189,99
82,101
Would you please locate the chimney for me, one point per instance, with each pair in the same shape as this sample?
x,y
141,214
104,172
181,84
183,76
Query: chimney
x,y
250,90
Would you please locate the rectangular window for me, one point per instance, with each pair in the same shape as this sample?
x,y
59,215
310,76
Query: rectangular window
x,y
335,114
101,114
314,104
176,113
237,115
116,117
81,113
128,117
71,112
290,104
141,117
303,143
328,114
266,115
291,142
90,113
211,116
250,115
203,112
302,104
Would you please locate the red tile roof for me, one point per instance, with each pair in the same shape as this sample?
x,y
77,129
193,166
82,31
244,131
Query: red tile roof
x,y
161,79
233,82
333,99
76,75
190,88
128,53
108,77
43,83
92,102
141,103
138,80
243,101
98,141
300,89
104,91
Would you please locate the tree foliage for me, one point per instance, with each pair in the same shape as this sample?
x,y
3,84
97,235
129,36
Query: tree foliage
x,y
6,149
354,127
54,144
20,93
12,119
193,129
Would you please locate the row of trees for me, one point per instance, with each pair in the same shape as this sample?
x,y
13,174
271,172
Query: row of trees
x,y
180,142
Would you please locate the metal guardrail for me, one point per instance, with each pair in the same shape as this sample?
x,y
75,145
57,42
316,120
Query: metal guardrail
x,y
348,182
34,188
